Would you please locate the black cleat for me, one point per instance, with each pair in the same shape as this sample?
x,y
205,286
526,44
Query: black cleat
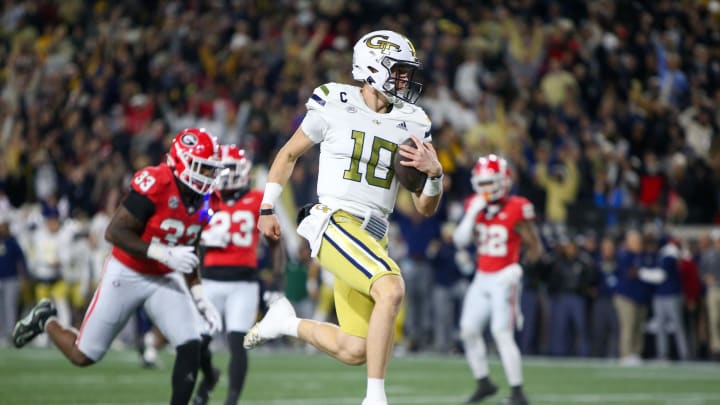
x,y
482,392
33,323
202,396
515,400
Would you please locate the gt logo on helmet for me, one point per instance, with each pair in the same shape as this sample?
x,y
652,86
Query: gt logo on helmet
x,y
189,140
381,44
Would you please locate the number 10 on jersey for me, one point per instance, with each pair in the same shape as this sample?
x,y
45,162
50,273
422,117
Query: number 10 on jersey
x,y
353,172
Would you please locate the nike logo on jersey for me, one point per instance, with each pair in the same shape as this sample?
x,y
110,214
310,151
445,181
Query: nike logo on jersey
x,y
402,126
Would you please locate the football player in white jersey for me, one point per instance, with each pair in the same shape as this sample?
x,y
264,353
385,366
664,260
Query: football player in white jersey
x,y
359,130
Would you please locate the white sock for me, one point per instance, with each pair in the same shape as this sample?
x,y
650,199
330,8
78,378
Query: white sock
x,y
291,327
376,389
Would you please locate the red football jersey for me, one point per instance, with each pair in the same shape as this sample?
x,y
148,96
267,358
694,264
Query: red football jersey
x,y
240,220
498,245
171,224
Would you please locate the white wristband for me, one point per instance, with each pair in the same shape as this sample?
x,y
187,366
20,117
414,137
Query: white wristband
x,y
197,292
272,193
433,187
155,251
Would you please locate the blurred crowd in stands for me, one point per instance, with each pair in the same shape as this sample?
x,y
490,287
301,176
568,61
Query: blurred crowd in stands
x,y
609,111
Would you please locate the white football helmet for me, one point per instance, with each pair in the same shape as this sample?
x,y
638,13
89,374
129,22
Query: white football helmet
x,y
491,177
237,168
387,61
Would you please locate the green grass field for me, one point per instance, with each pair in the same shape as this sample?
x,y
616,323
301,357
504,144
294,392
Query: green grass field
x,y
43,377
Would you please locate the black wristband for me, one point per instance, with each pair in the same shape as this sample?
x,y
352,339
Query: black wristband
x,y
267,211
439,176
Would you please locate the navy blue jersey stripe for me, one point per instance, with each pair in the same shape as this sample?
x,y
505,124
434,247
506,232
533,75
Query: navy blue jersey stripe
x,y
318,99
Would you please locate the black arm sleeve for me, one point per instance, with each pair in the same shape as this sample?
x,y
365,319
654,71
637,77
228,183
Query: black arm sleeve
x,y
139,206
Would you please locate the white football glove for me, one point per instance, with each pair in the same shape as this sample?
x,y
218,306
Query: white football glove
x,y
215,238
476,205
179,258
206,309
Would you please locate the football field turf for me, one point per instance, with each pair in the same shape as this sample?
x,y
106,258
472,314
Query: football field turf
x,y
43,377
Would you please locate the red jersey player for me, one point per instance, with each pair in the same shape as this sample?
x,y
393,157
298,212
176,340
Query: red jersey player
x,y
229,270
497,223
152,264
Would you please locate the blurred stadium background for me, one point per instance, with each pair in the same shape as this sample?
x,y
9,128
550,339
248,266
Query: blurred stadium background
x,y
609,111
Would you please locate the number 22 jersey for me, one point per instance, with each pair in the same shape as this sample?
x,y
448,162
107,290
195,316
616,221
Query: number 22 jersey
x,y
498,244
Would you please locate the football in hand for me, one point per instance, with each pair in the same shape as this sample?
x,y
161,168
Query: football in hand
x,y
408,176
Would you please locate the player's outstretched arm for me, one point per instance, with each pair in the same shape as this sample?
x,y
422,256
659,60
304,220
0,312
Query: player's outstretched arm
x,y
531,238
463,234
279,174
424,158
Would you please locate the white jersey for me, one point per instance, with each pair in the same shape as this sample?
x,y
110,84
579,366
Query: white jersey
x,y
357,147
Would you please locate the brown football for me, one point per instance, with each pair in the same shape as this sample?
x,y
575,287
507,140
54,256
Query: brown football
x,y
408,176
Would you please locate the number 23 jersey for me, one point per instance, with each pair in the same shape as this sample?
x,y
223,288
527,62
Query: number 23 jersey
x,y
171,222
239,219
357,146
498,244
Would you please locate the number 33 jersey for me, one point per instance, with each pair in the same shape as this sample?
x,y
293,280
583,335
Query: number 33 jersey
x,y
239,219
171,222
357,146
498,244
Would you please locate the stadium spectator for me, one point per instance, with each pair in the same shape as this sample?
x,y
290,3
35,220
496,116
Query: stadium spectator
x,y
632,296
570,280
667,304
560,182
710,270
692,293
296,282
13,271
604,321
418,232
450,269
46,259
532,303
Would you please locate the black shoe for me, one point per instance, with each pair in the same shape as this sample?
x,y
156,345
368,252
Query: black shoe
x,y
33,323
482,392
202,396
515,400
